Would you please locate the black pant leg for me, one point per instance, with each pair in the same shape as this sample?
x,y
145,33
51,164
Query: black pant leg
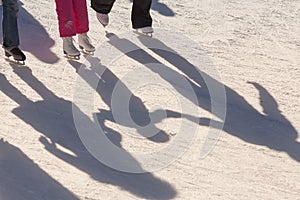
x,y
102,6
140,16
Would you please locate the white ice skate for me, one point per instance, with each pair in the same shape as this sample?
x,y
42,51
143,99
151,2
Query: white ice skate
x,y
148,31
69,49
103,19
84,43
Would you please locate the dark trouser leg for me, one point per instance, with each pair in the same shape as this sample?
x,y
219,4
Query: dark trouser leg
x,y
10,24
140,16
102,6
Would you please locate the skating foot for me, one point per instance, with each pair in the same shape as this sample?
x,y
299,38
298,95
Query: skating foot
x,y
69,49
12,61
72,57
147,31
85,44
83,50
103,19
16,53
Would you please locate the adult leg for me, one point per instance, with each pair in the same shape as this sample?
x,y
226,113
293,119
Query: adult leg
x,y
140,16
66,22
10,24
102,6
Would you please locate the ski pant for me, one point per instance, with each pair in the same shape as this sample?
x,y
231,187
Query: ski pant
x,y
10,24
140,16
72,17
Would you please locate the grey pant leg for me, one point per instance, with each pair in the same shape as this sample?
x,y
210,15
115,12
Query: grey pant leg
x,y
10,24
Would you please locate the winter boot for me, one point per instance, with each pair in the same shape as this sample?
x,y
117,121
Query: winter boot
x,y
148,30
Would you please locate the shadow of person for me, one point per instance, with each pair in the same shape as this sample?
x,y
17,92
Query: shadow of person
x,y
105,88
272,130
161,8
21,178
141,56
53,118
34,37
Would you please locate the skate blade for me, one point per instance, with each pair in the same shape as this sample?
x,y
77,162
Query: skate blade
x,y
73,57
90,53
86,52
16,62
150,34
77,57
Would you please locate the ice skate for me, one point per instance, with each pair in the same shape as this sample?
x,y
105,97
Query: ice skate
x,y
84,43
69,49
17,54
148,31
103,19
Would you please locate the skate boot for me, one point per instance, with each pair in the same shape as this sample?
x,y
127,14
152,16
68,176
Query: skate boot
x,y
84,43
103,19
17,54
148,30
69,49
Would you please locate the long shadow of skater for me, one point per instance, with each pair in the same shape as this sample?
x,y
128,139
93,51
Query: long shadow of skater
x,y
21,178
34,37
105,88
272,130
53,117
161,8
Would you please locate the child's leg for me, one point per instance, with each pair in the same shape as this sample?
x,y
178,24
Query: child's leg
x,y
65,18
10,24
102,6
140,16
82,25
80,16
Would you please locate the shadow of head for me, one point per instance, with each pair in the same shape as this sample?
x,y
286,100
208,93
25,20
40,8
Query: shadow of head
x,y
162,8
34,37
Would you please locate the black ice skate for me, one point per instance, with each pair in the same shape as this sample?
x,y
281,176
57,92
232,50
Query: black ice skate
x,y
103,19
18,56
